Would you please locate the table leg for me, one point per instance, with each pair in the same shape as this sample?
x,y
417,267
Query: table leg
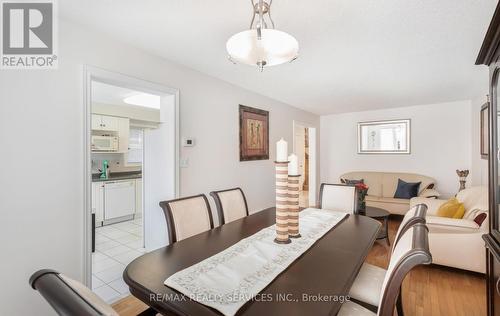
x,y
386,224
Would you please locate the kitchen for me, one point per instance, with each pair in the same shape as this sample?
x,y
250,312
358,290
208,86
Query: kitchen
x,y
118,121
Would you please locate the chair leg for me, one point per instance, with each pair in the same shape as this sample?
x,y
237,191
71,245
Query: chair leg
x,y
399,304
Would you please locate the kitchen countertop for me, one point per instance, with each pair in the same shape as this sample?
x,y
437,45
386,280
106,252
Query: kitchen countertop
x,y
117,176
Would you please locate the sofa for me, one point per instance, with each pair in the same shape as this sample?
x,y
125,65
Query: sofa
x,y
458,243
383,185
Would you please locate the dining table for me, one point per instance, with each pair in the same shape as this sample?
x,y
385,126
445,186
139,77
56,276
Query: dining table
x,y
317,283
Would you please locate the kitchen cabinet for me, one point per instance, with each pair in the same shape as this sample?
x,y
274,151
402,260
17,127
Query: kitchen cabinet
x,y
105,123
98,202
138,197
123,134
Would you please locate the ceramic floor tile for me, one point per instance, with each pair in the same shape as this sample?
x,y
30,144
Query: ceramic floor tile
x,y
135,244
115,234
107,245
116,250
103,265
120,286
98,256
128,239
107,293
127,257
96,282
141,250
99,239
112,273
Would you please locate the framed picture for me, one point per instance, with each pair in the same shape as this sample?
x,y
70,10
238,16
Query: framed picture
x,y
254,134
484,131
384,137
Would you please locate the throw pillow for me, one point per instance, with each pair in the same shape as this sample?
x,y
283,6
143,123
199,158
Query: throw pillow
x,y
406,190
479,219
353,182
452,209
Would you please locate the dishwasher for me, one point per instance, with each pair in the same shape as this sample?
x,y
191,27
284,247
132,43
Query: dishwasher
x,y
119,200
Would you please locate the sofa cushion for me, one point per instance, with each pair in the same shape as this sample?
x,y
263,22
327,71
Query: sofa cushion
x,y
372,179
390,182
451,209
406,190
394,201
352,181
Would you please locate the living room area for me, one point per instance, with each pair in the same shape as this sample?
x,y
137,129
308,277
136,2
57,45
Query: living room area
x,y
428,154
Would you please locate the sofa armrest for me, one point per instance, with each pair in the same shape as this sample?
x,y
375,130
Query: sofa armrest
x,y
431,203
451,223
429,193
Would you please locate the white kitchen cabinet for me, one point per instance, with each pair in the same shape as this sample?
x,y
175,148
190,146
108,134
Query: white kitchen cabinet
x,y
123,134
138,197
98,202
105,123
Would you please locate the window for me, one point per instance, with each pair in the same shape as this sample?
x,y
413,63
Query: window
x,y
135,144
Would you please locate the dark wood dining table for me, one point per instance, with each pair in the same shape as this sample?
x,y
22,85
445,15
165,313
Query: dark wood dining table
x,y
311,285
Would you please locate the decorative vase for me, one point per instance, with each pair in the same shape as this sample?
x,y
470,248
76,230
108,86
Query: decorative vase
x,y
281,168
362,192
462,177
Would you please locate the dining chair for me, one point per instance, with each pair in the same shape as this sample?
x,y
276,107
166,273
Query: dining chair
x,y
187,216
369,281
69,297
412,250
338,197
231,204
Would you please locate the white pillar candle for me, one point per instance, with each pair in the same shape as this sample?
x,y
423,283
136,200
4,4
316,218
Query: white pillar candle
x,y
293,166
281,150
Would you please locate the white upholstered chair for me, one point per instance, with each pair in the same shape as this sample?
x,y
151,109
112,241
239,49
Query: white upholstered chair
x,y
368,284
67,296
338,197
187,217
411,250
231,204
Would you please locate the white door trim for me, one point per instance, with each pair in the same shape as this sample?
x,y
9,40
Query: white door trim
x,y
93,73
313,163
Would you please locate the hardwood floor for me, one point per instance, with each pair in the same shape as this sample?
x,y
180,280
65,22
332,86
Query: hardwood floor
x,y
427,291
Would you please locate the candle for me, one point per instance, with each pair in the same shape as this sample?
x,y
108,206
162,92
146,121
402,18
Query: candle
x,y
281,150
293,166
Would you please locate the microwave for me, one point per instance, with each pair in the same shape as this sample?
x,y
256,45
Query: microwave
x,y
104,143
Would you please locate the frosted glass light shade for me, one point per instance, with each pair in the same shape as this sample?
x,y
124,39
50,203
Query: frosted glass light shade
x,y
275,47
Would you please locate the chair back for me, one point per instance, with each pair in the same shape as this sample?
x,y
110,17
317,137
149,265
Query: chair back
x,y
67,296
338,197
415,215
231,204
187,217
411,250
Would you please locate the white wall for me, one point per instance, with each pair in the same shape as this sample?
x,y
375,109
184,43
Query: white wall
x,y
41,136
440,143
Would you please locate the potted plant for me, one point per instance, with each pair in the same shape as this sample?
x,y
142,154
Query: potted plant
x,y
362,192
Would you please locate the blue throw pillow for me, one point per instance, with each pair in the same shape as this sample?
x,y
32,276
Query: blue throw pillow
x,y
406,190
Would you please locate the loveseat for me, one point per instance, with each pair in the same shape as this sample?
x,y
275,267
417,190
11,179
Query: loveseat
x,y
458,243
383,185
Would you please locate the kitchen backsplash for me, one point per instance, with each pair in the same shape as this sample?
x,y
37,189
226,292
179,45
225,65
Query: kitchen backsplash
x,y
115,162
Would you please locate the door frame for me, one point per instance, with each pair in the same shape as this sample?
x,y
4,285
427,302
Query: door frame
x,y
91,73
313,160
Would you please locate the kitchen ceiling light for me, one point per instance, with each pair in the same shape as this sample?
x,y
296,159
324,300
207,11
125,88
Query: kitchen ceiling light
x,y
262,45
144,99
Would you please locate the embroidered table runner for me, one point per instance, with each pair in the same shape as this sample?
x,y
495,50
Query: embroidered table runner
x,y
227,280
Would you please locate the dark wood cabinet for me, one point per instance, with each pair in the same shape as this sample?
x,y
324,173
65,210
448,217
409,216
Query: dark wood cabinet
x,y
490,55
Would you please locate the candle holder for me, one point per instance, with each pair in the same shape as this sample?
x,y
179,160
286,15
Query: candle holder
x,y
293,206
281,168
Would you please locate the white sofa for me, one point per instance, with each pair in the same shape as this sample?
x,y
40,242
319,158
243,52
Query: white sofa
x,y
457,242
383,185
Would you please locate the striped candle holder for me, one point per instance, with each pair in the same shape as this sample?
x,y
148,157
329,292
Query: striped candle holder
x,y
281,203
293,206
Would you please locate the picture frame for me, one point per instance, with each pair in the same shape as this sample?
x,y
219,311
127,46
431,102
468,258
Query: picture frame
x,y
385,137
484,132
254,133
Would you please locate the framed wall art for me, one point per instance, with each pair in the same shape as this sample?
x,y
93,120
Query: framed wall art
x,y
254,134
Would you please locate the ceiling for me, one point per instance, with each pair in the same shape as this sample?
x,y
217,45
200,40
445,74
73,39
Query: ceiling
x,y
354,55
110,94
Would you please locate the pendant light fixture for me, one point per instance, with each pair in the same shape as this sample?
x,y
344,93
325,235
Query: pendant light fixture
x,y
262,45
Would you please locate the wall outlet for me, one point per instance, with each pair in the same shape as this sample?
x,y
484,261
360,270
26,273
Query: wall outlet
x,y
188,142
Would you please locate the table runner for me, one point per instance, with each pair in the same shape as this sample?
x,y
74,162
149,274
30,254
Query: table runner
x,y
227,280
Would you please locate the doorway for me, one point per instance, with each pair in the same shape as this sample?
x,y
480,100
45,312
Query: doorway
x,y
129,123
304,144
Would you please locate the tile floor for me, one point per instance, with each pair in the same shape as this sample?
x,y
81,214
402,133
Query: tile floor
x,y
116,246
